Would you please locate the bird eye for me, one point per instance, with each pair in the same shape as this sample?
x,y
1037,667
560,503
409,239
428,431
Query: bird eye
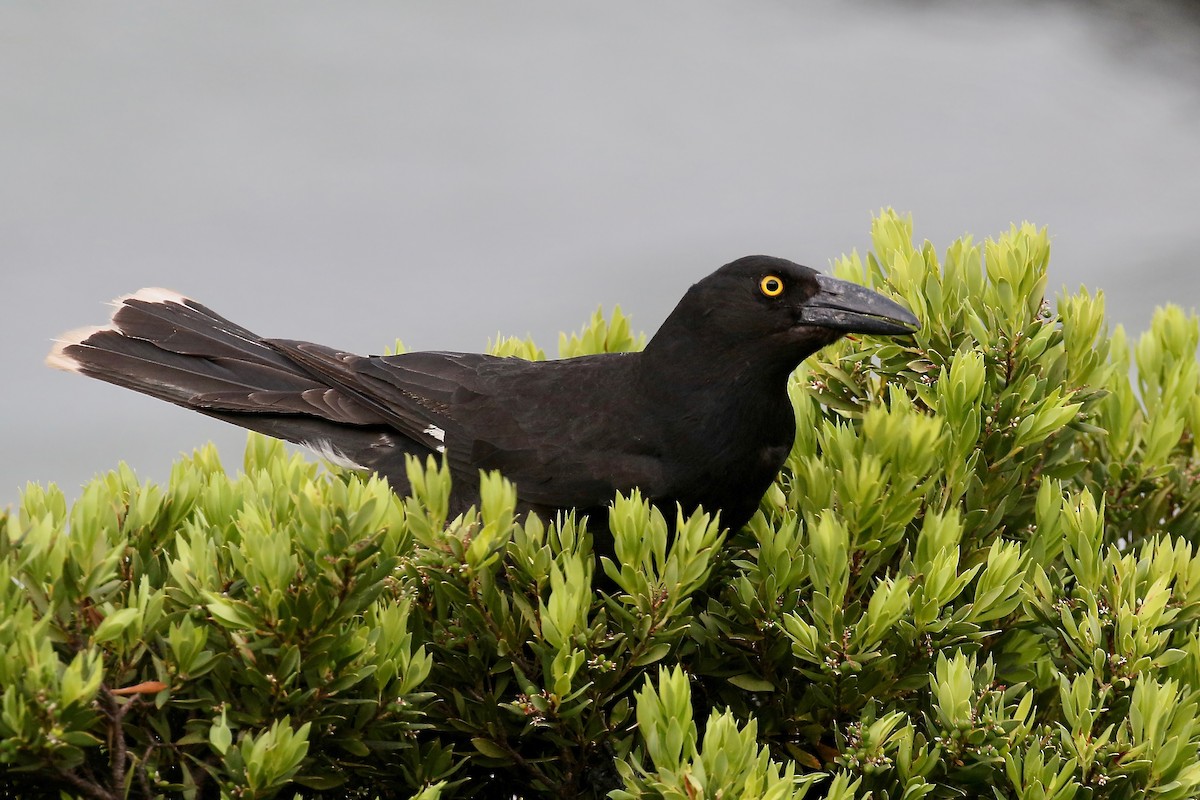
x,y
771,286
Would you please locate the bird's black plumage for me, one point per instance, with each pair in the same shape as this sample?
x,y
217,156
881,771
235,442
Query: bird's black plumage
x,y
701,417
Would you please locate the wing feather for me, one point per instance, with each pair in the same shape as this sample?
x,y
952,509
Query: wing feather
x,y
491,413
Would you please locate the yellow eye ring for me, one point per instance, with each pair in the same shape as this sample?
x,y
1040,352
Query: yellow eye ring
x,y
771,286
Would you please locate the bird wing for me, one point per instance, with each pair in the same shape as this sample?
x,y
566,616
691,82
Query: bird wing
x,y
519,417
568,433
414,396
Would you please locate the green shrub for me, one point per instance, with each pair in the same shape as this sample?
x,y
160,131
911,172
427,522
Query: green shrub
x,y
975,577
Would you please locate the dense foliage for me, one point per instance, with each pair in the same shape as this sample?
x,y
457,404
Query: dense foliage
x,y
976,576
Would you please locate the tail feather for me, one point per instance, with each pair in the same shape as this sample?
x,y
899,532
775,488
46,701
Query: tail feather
x,y
168,346
179,324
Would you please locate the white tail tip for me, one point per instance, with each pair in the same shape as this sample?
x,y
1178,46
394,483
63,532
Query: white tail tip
x,y
152,294
58,358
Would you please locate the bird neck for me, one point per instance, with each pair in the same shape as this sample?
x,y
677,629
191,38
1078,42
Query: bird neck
x,y
690,357
694,370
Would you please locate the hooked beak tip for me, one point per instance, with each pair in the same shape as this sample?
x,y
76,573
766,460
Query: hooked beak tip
x,y
845,306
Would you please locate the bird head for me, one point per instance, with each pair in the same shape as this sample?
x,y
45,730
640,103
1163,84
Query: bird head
x,y
780,309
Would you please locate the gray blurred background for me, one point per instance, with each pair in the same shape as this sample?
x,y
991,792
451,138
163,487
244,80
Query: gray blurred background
x,y
354,172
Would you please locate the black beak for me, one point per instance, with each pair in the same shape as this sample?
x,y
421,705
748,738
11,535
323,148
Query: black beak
x,y
846,306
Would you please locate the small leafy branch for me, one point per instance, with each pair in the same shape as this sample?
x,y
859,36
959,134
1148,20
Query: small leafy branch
x,y
976,576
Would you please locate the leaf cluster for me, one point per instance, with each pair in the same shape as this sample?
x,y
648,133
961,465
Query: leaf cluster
x,y
976,576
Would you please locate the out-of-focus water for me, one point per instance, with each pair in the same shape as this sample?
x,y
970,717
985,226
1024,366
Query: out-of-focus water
x,y
350,173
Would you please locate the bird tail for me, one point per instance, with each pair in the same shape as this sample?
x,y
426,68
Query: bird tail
x,y
168,346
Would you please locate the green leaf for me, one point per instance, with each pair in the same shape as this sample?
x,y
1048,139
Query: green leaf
x,y
655,653
219,734
489,748
114,625
752,683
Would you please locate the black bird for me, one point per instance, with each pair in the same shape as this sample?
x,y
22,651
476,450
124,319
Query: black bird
x,y
701,417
